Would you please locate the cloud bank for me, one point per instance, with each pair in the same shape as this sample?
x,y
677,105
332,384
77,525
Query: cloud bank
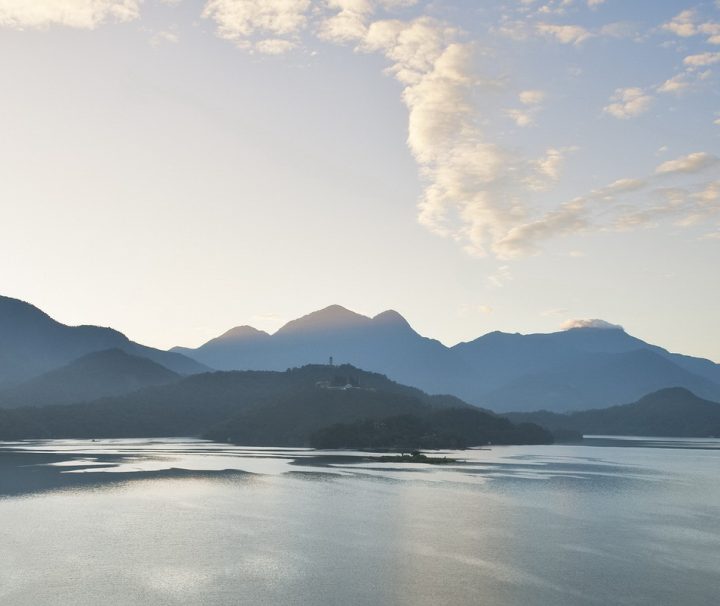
x,y
476,191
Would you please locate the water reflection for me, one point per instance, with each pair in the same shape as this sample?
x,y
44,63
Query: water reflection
x,y
138,456
197,523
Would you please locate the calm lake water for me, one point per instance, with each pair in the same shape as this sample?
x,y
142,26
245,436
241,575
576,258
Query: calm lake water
x,y
166,522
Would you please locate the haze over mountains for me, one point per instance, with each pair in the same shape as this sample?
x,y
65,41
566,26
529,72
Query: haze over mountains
x,y
32,343
99,374
673,412
43,361
576,369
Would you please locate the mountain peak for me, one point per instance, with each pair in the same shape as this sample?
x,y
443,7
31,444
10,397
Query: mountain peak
x,y
391,317
670,394
332,317
103,373
241,332
117,359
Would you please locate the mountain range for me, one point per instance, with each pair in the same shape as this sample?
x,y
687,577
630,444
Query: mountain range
x,y
43,361
575,369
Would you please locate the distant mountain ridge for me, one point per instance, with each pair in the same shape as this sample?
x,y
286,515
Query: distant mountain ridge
x,y
385,343
672,412
111,372
575,369
578,369
32,343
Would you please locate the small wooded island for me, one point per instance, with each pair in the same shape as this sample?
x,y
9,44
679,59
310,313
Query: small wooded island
x,y
414,457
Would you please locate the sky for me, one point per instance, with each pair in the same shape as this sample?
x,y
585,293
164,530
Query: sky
x,y
173,168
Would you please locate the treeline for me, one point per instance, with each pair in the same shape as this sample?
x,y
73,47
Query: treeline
x,y
189,407
451,428
265,408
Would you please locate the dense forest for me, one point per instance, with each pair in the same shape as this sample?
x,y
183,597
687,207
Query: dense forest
x,y
449,428
250,407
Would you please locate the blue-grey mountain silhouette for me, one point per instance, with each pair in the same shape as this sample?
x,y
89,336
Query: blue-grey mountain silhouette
x,y
577,369
32,343
111,372
574,369
673,412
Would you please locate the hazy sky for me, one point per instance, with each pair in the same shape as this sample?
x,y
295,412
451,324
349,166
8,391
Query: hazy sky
x,y
176,168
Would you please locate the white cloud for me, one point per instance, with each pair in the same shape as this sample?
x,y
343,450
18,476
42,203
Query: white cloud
x,y
82,14
350,21
565,34
500,277
525,238
701,60
551,163
262,25
691,163
514,29
467,193
472,187
683,24
622,205
684,207
474,191
526,116
395,4
531,97
676,84
702,204
710,194
628,103
592,323
619,186
520,117
712,30
534,25
168,36
555,7
274,46
422,51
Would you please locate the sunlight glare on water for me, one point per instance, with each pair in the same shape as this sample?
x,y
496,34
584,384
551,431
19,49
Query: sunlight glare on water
x,y
192,522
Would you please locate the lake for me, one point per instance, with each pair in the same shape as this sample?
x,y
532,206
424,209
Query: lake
x,y
180,521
